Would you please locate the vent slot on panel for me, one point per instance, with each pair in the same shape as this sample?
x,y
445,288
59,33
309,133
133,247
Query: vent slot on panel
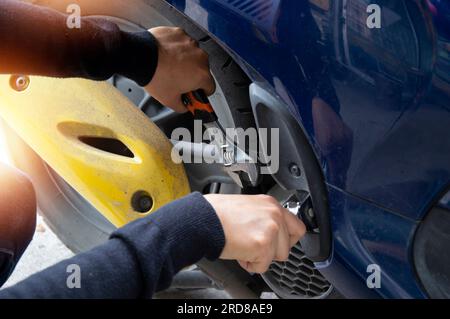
x,y
258,9
110,145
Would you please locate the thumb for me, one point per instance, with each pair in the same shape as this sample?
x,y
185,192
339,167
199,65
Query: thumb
x,y
296,227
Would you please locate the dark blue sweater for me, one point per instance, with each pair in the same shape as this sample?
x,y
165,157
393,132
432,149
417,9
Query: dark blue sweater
x,y
35,40
139,259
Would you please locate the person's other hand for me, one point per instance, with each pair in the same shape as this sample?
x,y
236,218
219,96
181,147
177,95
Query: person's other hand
x,y
182,67
258,230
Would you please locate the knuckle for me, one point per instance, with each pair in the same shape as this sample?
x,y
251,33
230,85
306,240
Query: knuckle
x,y
261,242
273,201
264,197
277,214
267,198
272,229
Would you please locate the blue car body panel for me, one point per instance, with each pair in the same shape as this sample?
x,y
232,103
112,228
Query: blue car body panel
x,y
375,104
365,235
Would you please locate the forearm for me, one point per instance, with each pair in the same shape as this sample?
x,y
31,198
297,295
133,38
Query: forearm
x,y
37,41
108,271
139,259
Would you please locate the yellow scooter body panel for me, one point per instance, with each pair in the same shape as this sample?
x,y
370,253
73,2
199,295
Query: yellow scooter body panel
x,y
58,118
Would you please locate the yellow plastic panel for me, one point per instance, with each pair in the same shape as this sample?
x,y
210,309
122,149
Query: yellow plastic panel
x,y
58,118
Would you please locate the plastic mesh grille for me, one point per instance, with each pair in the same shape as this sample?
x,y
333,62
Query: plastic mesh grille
x,y
298,277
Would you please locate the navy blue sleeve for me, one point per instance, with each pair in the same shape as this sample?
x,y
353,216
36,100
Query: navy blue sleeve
x,y
35,40
139,259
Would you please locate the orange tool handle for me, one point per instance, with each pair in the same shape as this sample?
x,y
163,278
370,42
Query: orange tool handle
x,y
198,104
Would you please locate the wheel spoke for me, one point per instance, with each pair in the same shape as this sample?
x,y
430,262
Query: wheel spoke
x,y
145,101
163,116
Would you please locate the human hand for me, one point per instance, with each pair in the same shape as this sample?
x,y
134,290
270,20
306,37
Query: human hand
x,y
182,68
258,230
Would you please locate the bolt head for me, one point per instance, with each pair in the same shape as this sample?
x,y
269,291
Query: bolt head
x,y
19,83
142,202
145,203
295,170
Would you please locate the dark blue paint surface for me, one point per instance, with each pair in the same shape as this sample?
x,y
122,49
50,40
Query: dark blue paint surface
x,y
374,102
364,235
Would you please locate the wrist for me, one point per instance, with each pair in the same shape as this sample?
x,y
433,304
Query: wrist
x,y
194,225
138,56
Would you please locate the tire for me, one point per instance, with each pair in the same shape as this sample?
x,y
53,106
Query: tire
x,y
79,226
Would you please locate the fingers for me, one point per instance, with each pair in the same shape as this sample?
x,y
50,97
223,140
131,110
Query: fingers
x,y
275,245
283,243
255,267
183,67
178,106
289,230
209,86
296,228
266,232
206,80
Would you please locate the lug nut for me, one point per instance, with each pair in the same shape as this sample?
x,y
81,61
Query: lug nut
x,y
19,83
295,170
141,202
292,207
